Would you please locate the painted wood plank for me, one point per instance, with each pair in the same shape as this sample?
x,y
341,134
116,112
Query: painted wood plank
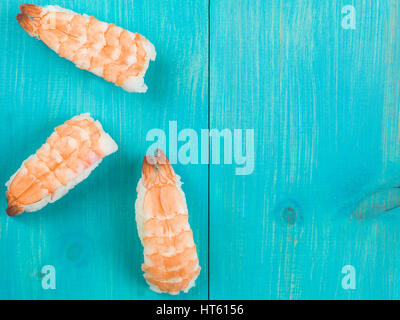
x,y
324,104
90,235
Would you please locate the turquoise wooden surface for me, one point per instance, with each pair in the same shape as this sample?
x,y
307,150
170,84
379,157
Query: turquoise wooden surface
x,y
90,236
324,105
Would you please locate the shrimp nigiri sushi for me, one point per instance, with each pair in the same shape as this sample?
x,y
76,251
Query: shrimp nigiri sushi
x,y
108,51
69,155
170,257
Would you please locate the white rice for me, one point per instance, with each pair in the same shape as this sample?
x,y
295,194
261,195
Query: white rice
x,y
58,9
136,84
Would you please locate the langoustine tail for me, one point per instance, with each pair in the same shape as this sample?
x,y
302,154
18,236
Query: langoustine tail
x,y
157,166
28,24
31,10
69,155
24,18
13,208
171,263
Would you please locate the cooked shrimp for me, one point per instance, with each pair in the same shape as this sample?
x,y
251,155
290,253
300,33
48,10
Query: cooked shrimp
x,y
68,156
106,50
170,257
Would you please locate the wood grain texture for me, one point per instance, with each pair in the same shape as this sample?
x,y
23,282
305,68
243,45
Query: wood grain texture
x,y
90,235
324,104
